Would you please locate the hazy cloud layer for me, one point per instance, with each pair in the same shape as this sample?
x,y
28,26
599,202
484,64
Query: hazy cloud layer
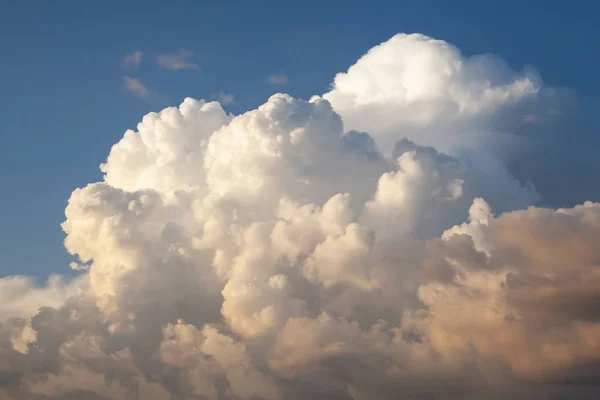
x,y
279,254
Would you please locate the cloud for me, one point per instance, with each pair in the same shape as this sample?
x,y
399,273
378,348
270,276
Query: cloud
x,y
150,159
21,297
432,93
177,61
525,293
278,254
187,348
135,86
225,98
277,79
134,60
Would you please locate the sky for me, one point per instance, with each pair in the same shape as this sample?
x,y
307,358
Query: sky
x,y
63,104
368,173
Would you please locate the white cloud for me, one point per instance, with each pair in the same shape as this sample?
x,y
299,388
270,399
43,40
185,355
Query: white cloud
x,y
134,60
20,297
177,61
135,86
278,255
167,151
277,79
426,90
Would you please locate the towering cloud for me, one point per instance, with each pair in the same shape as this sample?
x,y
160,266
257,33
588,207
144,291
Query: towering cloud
x,y
424,89
279,254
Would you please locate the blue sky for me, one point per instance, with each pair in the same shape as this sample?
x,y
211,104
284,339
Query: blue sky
x,y
63,104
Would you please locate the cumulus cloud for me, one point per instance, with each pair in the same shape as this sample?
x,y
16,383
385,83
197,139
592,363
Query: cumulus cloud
x,y
432,93
277,79
134,60
524,293
279,254
177,61
21,297
168,148
135,86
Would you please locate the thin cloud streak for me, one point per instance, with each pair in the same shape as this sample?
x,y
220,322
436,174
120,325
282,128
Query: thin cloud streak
x,y
134,60
136,87
277,79
177,61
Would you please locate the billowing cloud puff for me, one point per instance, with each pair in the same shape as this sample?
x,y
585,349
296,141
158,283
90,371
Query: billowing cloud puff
x,y
278,254
426,90
168,150
21,297
530,304
205,355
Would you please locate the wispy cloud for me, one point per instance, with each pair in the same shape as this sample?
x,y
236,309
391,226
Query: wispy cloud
x,y
277,79
226,98
134,59
135,86
177,61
